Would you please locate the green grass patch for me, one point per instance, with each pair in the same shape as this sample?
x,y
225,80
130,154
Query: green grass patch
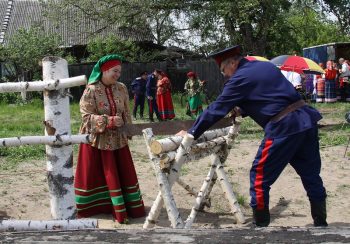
x,y
24,119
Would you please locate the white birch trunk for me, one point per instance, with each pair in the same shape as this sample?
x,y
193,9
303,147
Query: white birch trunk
x,y
201,196
165,189
37,225
172,143
228,191
48,84
47,140
59,158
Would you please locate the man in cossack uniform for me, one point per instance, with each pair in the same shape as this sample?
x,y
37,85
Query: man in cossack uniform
x,y
138,89
259,90
151,93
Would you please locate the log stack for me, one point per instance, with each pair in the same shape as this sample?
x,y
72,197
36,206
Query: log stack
x,y
169,154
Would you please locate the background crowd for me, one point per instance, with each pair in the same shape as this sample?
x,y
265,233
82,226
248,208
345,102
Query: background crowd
x,y
332,86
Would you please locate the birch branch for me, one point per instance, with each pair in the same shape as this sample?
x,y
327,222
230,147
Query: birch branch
x,y
47,140
36,225
167,158
228,191
43,85
201,196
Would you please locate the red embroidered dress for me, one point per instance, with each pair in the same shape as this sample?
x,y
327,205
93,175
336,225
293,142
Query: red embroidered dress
x,y
164,100
105,180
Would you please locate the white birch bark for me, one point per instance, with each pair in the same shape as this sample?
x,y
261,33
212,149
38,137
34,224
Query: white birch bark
x,y
232,133
165,194
38,225
47,84
47,140
167,158
59,158
207,200
201,196
208,144
172,143
228,191
180,158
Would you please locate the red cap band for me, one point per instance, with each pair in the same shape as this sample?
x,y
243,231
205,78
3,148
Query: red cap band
x,y
110,64
191,74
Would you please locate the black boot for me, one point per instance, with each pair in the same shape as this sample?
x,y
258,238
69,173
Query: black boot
x,y
261,217
319,213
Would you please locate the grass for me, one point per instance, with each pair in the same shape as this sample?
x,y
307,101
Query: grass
x,y
26,119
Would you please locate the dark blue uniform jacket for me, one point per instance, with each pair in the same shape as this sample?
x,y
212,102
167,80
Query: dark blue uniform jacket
x,y
151,86
261,91
138,86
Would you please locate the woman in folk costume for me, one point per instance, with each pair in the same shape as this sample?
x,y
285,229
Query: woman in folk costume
x,y
193,87
320,86
330,76
105,179
164,100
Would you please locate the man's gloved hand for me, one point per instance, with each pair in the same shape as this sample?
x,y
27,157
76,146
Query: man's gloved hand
x,y
150,98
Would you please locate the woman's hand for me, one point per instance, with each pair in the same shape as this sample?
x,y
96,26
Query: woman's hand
x,y
118,121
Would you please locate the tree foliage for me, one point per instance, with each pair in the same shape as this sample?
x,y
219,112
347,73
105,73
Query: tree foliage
x,y
112,44
263,27
26,48
341,10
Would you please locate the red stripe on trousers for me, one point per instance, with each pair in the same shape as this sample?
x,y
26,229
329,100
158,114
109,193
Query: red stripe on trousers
x,y
260,175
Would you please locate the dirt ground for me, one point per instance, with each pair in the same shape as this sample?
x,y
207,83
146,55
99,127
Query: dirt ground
x,y
24,191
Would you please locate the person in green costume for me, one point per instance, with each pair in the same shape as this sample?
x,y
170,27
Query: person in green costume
x,y
193,88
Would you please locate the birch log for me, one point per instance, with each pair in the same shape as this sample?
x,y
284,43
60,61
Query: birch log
x,y
172,143
201,196
165,191
167,158
36,225
48,84
172,177
207,199
59,158
208,144
48,140
232,133
228,191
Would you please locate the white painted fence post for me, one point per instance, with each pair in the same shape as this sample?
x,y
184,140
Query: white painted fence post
x,y
59,158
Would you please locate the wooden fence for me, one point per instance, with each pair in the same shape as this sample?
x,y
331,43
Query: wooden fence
x,y
206,70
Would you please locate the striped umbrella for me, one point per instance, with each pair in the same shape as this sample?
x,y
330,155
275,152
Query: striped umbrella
x,y
259,58
297,64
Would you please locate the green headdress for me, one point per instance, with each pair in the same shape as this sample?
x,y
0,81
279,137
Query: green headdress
x,y
96,71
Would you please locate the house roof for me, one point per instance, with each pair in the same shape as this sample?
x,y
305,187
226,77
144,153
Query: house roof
x,y
15,14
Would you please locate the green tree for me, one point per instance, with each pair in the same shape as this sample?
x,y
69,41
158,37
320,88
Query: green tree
x,y
112,44
311,27
341,10
25,50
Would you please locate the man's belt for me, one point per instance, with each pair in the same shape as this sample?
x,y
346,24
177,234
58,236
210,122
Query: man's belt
x,y
290,108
